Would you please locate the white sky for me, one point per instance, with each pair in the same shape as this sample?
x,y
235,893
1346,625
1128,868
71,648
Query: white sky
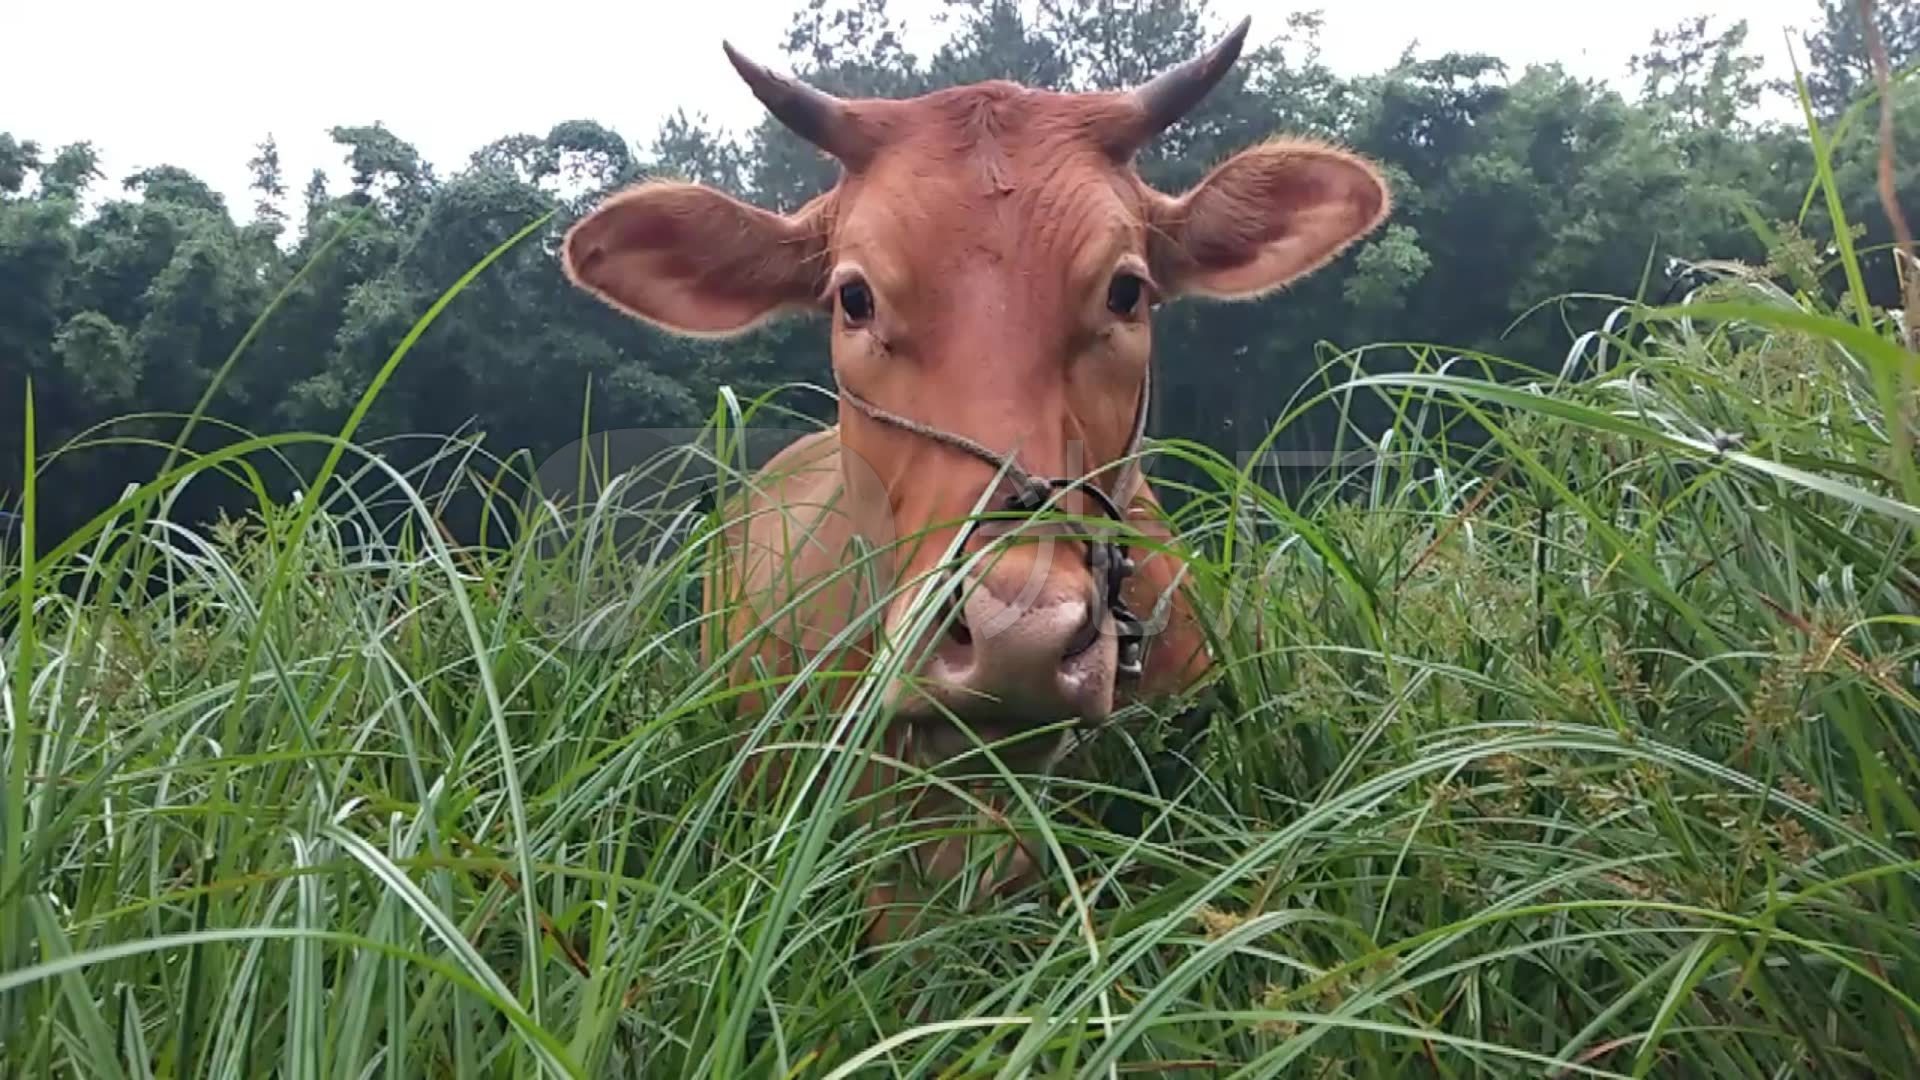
x,y
196,83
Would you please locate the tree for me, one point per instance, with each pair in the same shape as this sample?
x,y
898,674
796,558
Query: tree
x,y
72,170
850,47
587,153
315,196
993,39
689,149
170,184
265,167
387,170
1705,81
96,354
1841,67
18,160
1114,44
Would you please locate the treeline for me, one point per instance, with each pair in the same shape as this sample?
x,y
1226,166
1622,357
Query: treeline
x,y
1512,188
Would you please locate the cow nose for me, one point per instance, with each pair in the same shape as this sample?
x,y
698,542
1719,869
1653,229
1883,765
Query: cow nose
x,y
1023,662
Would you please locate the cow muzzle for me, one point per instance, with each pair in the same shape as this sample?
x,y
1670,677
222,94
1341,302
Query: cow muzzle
x,y
1020,644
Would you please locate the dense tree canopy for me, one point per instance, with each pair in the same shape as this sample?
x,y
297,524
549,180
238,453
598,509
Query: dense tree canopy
x,y
1513,188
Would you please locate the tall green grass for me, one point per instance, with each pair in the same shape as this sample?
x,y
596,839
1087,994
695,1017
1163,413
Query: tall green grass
x,y
1587,748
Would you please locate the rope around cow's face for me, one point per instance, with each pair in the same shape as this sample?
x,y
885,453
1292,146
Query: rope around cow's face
x,y
1107,559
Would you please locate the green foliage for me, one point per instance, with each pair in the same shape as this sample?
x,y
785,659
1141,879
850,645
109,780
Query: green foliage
x,y
70,172
1386,271
1837,50
96,354
1706,81
170,184
17,160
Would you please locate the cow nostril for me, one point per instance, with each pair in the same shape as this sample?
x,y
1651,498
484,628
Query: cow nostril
x,y
1085,636
957,628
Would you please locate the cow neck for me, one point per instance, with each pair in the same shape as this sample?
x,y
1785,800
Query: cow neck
x,y
1108,559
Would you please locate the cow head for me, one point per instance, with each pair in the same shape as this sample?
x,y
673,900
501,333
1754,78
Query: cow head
x,y
989,260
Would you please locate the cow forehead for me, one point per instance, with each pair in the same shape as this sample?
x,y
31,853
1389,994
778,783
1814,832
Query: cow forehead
x,y
995,174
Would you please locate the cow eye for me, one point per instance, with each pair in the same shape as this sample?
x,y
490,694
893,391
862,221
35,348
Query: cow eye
x,y
1123,294
856,302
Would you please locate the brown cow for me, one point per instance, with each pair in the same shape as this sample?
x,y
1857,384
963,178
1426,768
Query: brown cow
x,y
989,258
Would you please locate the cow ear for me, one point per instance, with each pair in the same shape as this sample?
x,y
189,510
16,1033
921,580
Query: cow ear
x,y
1264,217
697,261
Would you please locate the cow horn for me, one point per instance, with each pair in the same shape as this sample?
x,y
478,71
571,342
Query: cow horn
x,y
1172,93
811,113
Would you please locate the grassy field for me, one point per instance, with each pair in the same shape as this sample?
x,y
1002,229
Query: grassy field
x,y
1586,750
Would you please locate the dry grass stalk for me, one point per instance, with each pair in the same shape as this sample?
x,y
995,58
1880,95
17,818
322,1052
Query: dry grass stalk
x,y
1904,263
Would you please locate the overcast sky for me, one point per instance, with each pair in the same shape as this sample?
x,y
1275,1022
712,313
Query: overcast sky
x,y
196,83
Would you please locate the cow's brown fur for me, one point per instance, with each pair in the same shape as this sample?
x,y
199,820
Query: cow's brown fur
x,y
988,221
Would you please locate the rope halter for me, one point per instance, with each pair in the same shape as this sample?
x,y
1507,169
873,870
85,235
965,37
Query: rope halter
x,y
1107,559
